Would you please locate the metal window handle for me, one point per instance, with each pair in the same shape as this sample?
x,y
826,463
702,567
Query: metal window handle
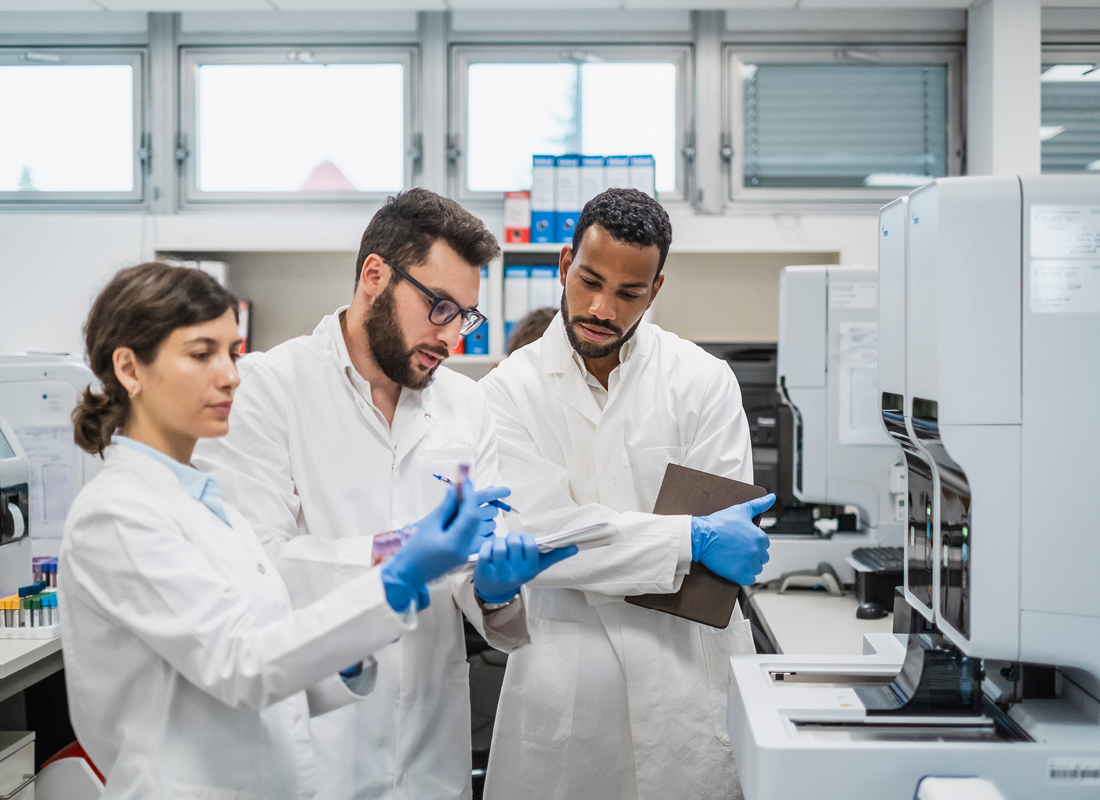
x,y
29,779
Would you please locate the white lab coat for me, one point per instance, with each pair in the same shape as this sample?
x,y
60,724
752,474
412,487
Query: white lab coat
x,y
318,473
184,662
611,700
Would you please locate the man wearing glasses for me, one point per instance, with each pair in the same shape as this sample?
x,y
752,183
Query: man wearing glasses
x,y
335,437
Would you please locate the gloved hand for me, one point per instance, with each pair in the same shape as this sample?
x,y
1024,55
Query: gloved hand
x,y
487,529
728,544
434,549
505,564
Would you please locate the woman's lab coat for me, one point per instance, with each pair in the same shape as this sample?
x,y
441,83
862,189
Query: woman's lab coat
x,y
184,662
319,472
612,700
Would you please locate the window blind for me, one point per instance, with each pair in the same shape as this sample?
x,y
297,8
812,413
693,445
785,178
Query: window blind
x,y
1071,125
840,125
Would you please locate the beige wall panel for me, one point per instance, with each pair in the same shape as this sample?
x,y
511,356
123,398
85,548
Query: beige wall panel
x,y
726,297
290,292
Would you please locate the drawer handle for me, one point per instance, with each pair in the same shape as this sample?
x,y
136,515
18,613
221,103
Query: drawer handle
x,y
29,779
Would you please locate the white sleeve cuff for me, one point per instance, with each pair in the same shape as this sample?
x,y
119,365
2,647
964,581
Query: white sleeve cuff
x,y
683,563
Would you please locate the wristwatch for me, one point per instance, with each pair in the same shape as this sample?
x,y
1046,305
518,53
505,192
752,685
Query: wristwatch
x,y
487,607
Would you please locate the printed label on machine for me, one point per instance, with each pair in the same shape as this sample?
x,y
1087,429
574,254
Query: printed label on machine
x,y
1078,771
858,386
853,294
1065,286
1065,231
52,456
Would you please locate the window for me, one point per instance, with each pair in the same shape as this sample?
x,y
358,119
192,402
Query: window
x,y
512,104
72,126
842,124
296,125
1070,126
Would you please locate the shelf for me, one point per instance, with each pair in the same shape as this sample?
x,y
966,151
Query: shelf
x,y
549,247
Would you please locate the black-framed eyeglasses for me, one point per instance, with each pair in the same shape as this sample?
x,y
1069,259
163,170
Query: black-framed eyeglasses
x,y
443,309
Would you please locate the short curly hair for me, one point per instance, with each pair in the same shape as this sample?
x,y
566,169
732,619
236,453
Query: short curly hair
x,y
630,216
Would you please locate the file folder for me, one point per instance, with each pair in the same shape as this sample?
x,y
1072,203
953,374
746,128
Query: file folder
x,y
542,199
567,195
703,597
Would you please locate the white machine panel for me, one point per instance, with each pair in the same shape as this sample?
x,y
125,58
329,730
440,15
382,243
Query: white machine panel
x,y
964,285
891,296
1061,434
802,319
37,396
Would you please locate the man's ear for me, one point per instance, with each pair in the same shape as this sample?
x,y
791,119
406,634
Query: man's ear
x,y
373,277
565,261
657,284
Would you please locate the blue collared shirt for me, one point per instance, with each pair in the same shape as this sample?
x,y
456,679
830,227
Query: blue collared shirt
x,y
205,489
193,481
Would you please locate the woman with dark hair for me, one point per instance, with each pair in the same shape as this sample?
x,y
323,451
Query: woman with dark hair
x,y
189,675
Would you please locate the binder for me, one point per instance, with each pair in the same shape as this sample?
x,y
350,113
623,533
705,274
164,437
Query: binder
x,y
558,288
542,199
643,174
517,217
616,172
703,597
477,343
516,279
567,196
540,287
592,180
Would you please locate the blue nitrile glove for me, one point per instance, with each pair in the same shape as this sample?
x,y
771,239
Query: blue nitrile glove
x,y
506,563
434,549
728,544
487,513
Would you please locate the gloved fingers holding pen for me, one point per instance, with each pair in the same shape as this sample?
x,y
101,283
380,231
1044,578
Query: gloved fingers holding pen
x,y
504,564
442,541
487,512
729,544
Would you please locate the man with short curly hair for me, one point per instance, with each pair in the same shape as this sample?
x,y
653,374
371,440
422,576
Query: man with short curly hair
x,y
611,700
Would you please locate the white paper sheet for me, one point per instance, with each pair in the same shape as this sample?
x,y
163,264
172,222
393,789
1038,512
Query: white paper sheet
x,y
599,535
858,385
53,461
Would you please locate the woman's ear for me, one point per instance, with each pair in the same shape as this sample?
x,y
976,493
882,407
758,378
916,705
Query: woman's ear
x,y
125,365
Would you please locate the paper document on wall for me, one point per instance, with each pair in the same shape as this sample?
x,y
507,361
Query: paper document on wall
x,y
53,463
858,385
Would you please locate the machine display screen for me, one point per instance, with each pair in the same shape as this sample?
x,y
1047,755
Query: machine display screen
x,y
5,448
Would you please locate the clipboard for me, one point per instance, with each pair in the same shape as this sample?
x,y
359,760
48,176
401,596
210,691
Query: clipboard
x,y
703,597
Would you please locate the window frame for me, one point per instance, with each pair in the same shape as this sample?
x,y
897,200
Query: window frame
x,y
736,55
462,55
192,57
1066,54
134,57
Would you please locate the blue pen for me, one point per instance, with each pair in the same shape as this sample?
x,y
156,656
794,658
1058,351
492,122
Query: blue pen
x,y
498,503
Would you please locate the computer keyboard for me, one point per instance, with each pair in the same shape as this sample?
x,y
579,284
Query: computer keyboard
x,y
880,559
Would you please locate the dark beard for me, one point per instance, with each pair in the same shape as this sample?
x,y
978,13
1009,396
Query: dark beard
x,y
587,349
388,346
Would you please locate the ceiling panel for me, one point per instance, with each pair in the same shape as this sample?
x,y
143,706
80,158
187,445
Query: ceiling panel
x,y
534,7
360,5
884,5
186,5
714,5
297,21
581,21
48,5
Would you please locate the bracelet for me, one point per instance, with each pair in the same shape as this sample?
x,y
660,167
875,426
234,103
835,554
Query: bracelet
x,y
486,606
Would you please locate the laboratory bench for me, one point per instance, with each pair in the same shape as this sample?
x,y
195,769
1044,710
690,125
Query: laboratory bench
x,y
810,622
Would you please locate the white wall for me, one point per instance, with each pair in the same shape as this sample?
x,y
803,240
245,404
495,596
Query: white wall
x,y
53,264
51,267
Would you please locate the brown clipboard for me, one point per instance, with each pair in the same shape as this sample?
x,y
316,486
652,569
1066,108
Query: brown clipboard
x,y
703,597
